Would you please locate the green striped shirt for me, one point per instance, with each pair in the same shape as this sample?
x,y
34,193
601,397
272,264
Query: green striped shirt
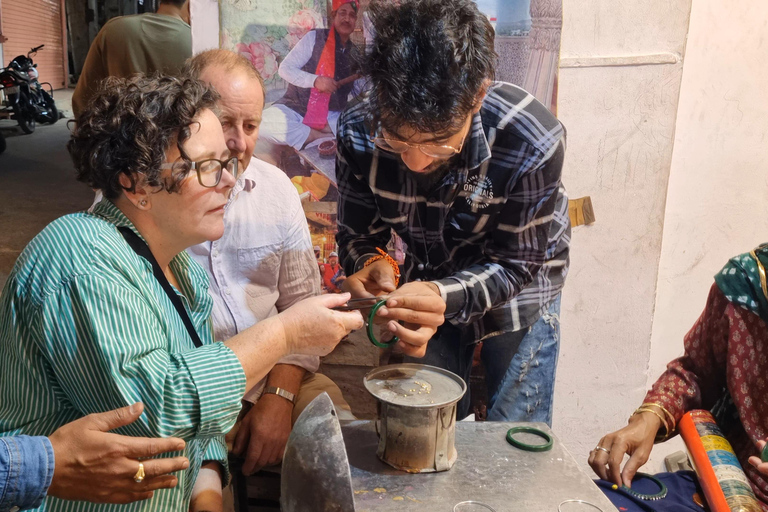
x,y
85,327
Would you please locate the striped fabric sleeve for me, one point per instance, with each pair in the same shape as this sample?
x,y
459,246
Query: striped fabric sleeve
x,y
109,349
518,247
217,451
360,227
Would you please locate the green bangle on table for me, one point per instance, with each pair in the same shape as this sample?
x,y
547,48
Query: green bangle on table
x,y
547,445
371,336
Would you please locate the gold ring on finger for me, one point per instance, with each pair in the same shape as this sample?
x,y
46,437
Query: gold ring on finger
x,y
606,450
140,475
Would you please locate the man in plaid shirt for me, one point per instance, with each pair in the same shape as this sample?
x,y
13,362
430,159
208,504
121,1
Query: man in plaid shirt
x,y
468,172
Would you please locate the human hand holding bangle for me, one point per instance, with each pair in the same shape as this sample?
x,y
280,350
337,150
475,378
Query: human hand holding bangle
x,y
414,312
636,439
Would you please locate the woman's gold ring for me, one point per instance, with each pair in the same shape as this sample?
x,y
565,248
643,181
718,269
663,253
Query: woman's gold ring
x,y
139,476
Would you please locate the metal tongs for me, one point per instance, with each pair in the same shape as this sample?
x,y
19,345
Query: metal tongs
x,y
361,303
374,303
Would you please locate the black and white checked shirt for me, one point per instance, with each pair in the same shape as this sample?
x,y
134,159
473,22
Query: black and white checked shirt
x,y
493,233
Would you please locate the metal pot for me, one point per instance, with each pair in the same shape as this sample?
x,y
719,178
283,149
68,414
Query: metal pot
x,y
416,415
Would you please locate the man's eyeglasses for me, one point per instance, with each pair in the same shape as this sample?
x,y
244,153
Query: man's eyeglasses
x,y
209,171
431,150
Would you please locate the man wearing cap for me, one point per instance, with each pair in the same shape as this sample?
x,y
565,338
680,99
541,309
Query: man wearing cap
x,y
333,274
320,76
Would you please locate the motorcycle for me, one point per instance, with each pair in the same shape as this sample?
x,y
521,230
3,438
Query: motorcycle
x,y
25,97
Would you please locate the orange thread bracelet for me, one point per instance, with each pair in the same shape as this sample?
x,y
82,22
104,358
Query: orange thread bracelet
x,y
386,257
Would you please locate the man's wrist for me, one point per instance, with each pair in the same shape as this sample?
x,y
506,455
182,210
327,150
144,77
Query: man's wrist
x,y
453,293
432,286
280,392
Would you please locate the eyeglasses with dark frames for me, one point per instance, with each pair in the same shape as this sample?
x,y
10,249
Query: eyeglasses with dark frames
x,y
209,171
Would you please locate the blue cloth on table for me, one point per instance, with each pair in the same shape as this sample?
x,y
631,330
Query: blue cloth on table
x,y
681,485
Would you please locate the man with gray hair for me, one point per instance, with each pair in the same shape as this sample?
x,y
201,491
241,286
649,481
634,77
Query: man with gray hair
x,y
262,265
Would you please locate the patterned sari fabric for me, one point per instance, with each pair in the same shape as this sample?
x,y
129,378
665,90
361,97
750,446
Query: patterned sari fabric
x,y
725,365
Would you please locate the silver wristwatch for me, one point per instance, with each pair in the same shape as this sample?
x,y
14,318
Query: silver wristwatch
x,y
273,390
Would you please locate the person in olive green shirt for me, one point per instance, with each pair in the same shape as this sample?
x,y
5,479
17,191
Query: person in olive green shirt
x,y
142,43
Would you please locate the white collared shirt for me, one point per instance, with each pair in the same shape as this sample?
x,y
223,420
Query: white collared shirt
x,y
265,262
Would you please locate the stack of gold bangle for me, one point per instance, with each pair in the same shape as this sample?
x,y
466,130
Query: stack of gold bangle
x,y
669,426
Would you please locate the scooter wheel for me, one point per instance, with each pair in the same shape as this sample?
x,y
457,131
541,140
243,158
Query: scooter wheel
x,y
27,125
50,105
53,113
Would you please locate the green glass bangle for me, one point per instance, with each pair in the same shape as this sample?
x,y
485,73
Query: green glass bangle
x,y
764,454
529,447
647,497
371,336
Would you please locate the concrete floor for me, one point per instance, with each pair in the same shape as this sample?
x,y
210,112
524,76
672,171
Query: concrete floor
x,y
37,183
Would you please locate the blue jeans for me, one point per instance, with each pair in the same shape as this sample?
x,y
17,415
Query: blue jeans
x,y
519,366
528,386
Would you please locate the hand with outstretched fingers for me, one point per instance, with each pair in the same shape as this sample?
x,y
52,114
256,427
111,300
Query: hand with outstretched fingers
x,y
97,466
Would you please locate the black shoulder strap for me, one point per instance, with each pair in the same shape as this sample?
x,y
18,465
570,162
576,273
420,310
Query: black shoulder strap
x,y
141,248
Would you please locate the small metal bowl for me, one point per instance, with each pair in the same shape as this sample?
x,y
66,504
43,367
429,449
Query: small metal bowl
x,y
327,149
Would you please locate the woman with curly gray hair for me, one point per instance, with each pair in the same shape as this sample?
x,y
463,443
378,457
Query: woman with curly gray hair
x,y
105,308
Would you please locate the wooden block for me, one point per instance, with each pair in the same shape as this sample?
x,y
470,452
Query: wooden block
x,y
580,211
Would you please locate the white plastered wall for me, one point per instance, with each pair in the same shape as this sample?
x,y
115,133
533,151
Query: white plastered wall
x,y
621,68
717,202
205,24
